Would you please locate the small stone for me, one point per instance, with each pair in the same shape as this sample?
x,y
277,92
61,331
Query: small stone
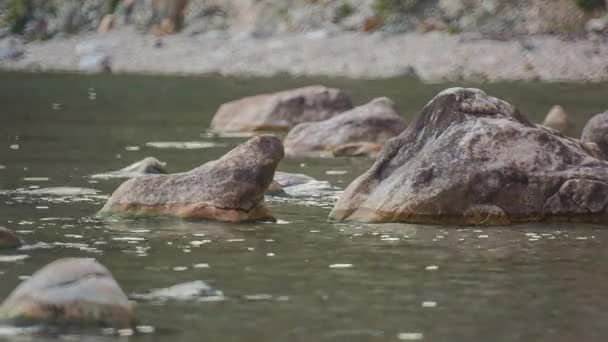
x,y
8,239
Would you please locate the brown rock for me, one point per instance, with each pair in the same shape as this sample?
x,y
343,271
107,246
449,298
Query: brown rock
x,y
8,239
470,158
350,133
558,119
228,189
280,111
596,131
73,291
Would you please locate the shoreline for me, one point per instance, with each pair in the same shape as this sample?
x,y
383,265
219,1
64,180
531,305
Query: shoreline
x,y
432,57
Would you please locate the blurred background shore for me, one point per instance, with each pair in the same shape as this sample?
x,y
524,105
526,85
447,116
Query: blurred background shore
x,y
434,40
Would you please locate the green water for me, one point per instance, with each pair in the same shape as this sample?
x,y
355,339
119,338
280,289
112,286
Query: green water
x,y
527,283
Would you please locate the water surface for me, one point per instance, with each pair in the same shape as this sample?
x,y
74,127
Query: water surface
x,y
302,278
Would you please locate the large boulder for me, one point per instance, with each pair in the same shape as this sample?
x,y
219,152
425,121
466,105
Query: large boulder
x,y
596,131
8,239
73,291
280,111
558,119
470,158
374,122
144,167
228,189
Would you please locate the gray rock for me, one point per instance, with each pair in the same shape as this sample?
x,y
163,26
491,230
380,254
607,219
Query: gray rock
x,y
144,167
280,111
596,131
8,239
182,292
596,25
93,57
95,63
348,133
298,185
470,158
558,119
228,189
10,49
73,291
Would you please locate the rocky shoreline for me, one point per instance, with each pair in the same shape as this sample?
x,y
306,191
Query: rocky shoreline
x,y
431,57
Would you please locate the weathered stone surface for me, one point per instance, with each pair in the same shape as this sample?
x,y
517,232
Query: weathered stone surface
x,y
228,189
8,239
596,131
374,122
73,291
558,119
146,166
470,158
280,111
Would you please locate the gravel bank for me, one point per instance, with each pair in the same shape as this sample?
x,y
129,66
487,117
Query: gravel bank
x,y
431,56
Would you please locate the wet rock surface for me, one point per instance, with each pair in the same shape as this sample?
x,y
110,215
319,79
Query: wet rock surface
x,y
228,189
8,239
72,291
280,111
146,166
470,158
596,131
349,133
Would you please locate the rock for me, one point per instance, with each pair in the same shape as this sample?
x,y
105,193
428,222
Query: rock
x,y
299,185
596,25
182,292
596,131
144,167
72,291
286,179
350,133
357,149
470,158
10,49
95,63
92,57
228,189
8,239
280,111
558,119
107,24
283,180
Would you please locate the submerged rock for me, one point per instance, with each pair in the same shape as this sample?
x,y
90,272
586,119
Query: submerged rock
x,y
72,291
280,111
298,185
351,132
8,239
470,158
596,131
228,189
185,291
558,119
146,166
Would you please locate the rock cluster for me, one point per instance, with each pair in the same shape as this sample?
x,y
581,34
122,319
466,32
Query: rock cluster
x,y
280,111
472,159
